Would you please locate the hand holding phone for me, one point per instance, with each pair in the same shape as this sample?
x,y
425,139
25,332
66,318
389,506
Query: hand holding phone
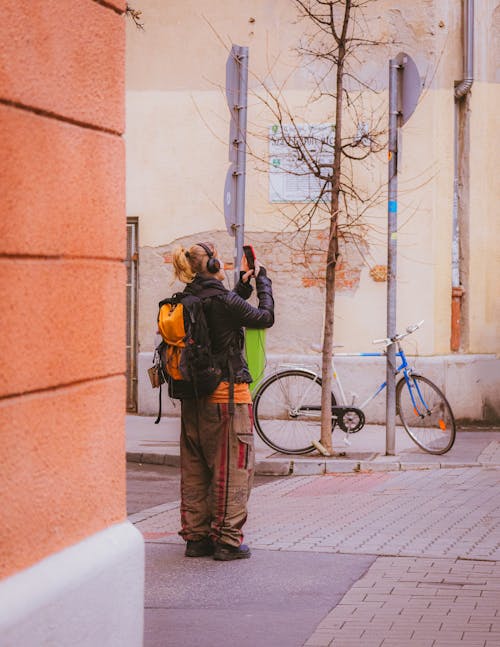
x,y
249,253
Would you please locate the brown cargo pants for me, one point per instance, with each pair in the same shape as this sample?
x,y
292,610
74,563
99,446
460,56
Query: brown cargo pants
x,y
217,466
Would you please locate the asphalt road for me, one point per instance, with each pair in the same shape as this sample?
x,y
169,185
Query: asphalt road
x,y
275,599
150,485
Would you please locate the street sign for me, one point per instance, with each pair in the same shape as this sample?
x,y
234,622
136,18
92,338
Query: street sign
x,y
232,77
233,99
410,86
234,185
230,200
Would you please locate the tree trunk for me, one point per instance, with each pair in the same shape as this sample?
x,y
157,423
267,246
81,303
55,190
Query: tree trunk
x,y
333,247
326,398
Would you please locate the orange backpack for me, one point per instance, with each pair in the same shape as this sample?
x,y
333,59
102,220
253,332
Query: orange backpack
x,y
187,355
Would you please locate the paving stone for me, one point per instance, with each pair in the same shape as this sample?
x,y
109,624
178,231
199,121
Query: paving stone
x,y
154,459
305,467
318,641
490,454
418,466
273,467
444,524
173,460
379,466
134,457
333,466
425,625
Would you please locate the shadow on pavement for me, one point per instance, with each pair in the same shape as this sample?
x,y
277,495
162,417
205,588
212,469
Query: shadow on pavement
x,y
275,598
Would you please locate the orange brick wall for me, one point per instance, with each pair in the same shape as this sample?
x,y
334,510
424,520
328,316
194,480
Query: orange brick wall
x,y
62,278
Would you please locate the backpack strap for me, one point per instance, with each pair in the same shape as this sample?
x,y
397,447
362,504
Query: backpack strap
x,y
159,362
205,296
209,292
173,299
231,386
159,406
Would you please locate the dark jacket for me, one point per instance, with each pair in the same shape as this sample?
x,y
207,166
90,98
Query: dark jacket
x,y
228,313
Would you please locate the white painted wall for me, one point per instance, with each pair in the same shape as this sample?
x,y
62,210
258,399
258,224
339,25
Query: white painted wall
x,y
93,590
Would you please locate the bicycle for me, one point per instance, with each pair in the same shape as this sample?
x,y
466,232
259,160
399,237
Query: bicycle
x,y
287,406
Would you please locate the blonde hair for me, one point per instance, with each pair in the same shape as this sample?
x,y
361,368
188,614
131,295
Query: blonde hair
x,y
190,262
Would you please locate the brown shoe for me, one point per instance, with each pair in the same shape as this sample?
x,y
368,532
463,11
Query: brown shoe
x,y
199,548
226,553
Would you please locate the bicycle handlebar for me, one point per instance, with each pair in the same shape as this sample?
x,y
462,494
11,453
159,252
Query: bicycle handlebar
x,y
399,336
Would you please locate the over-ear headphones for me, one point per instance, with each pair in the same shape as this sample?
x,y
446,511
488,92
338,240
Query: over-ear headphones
x,y
213,264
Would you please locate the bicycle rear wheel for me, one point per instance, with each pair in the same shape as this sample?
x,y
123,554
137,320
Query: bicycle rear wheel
x,y
287,411
425,414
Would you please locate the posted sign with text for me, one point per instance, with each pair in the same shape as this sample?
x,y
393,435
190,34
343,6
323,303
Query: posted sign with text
x,y
294,152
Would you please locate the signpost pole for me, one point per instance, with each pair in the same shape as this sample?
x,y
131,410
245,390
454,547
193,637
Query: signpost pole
x,y
392,208
404,91
241,161
234,187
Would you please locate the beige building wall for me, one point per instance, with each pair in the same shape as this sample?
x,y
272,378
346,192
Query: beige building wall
x,y
484,221
177,146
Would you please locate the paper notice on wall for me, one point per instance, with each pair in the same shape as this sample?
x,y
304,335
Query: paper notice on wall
x,y
292,149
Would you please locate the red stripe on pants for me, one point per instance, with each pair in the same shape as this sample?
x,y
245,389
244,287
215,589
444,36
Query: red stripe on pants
x,y
221,485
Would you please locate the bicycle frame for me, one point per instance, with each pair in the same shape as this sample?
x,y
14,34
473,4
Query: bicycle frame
x,y
404,366
298,398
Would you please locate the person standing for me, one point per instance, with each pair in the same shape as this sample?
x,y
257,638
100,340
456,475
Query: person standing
x,y
217,450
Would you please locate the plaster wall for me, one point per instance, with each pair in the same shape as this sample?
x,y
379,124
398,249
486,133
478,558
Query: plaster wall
x,y
177,160
484,224
469,381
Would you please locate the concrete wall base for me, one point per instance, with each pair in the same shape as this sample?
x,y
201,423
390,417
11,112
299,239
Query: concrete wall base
x,y
89,594
471,383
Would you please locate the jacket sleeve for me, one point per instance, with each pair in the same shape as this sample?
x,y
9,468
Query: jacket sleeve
x,y
244,314
243,290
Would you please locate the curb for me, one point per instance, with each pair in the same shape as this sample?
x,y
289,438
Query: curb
x,y
313,466
154,459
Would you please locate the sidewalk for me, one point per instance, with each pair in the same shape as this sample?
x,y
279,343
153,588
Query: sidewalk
x,y
374,559
474,447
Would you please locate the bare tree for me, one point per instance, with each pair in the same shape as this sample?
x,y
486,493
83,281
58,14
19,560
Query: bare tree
x,y
135,15
332,46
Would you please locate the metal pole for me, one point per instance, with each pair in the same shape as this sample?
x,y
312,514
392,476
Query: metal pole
x,y
392,209
461,91
241,161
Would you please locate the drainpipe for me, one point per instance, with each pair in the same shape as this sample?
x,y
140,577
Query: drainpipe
x,y
462,89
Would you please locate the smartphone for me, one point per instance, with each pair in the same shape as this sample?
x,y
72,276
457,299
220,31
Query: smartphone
x,y
250,256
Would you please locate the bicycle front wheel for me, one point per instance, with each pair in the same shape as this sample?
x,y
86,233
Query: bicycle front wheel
x,y
287,411
425,414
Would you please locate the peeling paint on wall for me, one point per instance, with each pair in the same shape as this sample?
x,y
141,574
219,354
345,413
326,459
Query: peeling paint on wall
x,y
295,264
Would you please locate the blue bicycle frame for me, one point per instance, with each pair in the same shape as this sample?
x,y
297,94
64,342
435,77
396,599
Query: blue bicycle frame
x,y
404,366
